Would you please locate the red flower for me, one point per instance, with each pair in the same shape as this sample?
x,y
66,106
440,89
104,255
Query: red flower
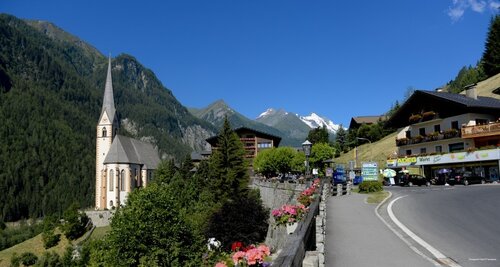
x,y
236,246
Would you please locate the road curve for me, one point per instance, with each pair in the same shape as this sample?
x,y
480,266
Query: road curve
x,y
460,222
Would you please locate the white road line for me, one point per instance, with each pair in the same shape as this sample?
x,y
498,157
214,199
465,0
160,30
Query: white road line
x,y
439,256
400,236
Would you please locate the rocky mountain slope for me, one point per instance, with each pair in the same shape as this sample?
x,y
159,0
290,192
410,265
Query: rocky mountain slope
x,y
51,89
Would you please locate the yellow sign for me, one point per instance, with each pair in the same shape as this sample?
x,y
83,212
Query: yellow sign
x,y
407,160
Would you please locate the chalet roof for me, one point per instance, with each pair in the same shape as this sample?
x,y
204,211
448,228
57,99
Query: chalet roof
x,y
276,139
128,150
198,156
443,103
357,121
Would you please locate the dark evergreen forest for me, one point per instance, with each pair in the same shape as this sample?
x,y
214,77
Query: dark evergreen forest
x,y
50,100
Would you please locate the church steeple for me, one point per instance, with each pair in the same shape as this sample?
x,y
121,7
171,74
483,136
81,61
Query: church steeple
x,y
108,103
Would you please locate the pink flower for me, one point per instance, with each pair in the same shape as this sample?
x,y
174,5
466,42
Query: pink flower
x,y
254,256
264,249
220,264
238,256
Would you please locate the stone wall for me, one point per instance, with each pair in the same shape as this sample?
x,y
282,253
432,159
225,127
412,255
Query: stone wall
x,y
100,218
274,195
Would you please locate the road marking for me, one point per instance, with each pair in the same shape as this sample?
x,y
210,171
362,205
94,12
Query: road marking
x,y
400,236
436,253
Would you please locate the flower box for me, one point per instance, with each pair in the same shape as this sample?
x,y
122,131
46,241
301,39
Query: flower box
x,y
290,228
415,118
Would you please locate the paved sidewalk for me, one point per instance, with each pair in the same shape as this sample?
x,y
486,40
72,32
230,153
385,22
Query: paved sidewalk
x,y
356,237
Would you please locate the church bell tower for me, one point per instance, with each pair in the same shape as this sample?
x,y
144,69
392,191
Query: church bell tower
x,y
107,128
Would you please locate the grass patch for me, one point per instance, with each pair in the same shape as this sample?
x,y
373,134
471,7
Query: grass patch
x,y
34,245
100,232
377,197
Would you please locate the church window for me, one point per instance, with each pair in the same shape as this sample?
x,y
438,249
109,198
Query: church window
x,y
111,180
122,181
104,132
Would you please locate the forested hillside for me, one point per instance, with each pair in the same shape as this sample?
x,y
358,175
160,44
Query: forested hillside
x,y
51,88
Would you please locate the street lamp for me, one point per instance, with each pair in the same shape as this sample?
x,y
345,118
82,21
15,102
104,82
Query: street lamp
x,y
356,151
306,146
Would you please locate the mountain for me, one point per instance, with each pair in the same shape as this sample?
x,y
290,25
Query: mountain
x,y
294,125
51,90
288,123
217,111
315,121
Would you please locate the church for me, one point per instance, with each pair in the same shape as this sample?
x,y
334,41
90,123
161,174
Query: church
x,y
122,163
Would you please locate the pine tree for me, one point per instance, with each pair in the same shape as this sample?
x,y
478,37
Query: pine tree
x,y
491,55
228,165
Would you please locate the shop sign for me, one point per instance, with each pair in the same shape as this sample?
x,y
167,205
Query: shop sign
x,y
369,171
407,161
392,163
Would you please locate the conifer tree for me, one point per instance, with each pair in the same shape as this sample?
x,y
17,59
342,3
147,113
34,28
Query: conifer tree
x,y
491,55
228,165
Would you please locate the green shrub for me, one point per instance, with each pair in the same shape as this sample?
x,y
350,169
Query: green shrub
x,y
28,258
50,239
370,186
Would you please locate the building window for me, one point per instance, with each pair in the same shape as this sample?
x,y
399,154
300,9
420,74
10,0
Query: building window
x,y
137,178
408,152
111,203
408,134
423,150
456,147
111,180
437,128
421,131
454,125
481,121
122,181
104,132
439,149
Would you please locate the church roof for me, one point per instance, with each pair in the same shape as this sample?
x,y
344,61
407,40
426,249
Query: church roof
x,y
128,150
108,103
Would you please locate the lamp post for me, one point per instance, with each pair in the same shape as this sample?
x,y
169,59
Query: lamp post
x,y
306,146
361,138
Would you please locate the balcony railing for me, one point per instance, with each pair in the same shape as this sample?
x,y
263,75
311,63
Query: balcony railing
x,y
452,133
481,130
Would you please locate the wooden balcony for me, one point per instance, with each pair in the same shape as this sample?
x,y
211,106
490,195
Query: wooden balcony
x,y
481,130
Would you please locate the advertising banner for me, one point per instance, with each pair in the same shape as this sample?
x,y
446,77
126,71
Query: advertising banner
x,y
457,157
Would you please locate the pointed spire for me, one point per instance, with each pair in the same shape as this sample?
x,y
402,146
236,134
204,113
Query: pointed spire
x,y
108,104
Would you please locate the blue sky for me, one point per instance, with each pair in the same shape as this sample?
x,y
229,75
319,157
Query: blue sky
x,y
338,59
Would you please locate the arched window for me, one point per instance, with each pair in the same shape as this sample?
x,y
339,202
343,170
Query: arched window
x,y
111,180
111,203
104,132
122,181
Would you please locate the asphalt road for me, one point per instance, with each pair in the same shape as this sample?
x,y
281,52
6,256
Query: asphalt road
x,y
462,222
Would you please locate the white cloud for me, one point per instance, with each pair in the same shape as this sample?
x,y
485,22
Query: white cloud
x,y
457,9
494,5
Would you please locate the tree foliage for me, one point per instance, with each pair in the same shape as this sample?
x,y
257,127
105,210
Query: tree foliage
x,y
229,173
318,135
319,153
149,229
491,56
271,162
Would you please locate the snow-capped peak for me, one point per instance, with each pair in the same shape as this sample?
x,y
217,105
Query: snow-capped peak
x,y
268,112
315,121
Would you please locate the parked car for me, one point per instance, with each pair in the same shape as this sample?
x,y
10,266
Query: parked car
x,y
467,178
414,179
357,180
